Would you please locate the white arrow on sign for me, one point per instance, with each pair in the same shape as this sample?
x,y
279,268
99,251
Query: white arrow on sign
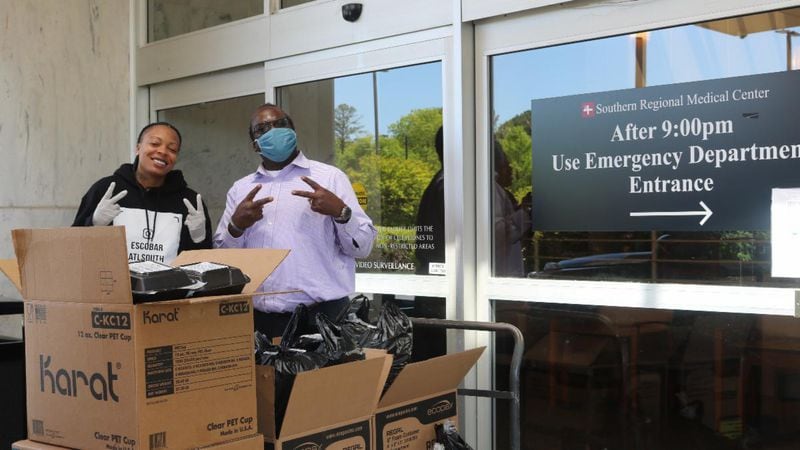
x,y
706,213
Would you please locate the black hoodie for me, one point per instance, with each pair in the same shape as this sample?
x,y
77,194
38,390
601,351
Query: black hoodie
x,y
167,198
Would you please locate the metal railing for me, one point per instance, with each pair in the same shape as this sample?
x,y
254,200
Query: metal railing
x,y
513,376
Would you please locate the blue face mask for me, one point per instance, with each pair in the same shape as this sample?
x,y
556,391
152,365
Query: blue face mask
x,y
277,144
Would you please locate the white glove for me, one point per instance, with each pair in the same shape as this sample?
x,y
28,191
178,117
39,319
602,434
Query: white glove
x,y
107,209
196,220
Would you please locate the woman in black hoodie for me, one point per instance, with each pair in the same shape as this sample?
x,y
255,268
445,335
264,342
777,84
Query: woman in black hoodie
x,y
161,215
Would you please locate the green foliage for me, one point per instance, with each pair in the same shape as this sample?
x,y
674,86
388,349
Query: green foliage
x,y
740,245
417,131
517,145
350,158
402,183
522,119
395,176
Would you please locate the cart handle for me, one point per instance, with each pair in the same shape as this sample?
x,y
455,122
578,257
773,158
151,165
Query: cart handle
x,y
513,376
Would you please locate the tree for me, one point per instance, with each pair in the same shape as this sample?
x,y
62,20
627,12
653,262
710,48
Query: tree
x,y
346,124
516,142
396,177
354,151
522,119
402,184
416,132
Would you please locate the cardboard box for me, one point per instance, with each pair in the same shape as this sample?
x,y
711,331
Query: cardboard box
x,y
422,395
105,373
31,445
11,270
254,442
328,408
90,264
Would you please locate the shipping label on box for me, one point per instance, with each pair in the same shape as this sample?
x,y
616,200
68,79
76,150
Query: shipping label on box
x,y
179,356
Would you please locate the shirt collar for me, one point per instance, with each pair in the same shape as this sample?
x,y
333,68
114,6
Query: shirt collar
x,y
300,161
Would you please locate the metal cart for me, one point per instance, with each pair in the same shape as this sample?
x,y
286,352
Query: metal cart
x,y
513,377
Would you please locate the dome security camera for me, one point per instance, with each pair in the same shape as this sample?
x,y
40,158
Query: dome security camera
x,y
351,11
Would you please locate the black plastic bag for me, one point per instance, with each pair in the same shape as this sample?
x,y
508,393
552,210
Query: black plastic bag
x,y
447,437
310,343
356,328
299,324
393,333
358,307
354,320
340,347
263,347
289,361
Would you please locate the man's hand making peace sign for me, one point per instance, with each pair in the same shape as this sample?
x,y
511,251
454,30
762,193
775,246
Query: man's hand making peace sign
x,y
321,200
248,212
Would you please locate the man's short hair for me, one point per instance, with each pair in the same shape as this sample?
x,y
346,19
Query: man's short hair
x,y
250,131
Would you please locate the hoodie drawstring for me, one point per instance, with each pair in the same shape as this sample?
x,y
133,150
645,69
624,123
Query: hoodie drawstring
x,y
151,232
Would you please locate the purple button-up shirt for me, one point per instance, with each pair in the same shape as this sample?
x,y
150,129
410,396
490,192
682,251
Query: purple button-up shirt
x,y
321,263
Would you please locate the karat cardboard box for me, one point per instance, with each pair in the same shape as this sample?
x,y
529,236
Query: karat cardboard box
x,y
105,373
328,408
422,395
254,442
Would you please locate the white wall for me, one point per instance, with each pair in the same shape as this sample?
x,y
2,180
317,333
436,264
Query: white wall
x,y
64,108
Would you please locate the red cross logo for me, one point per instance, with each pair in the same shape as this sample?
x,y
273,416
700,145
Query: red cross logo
x,y
587,110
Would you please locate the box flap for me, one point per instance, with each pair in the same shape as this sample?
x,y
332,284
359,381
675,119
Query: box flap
x,y
85,264
217,298
335,394
11,269
251,442
31,445
430,377
256,263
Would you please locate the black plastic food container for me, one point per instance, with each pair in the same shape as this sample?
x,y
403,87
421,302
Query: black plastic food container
x,y
219,279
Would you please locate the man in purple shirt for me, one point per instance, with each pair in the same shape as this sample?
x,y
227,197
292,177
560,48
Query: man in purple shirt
x,y
308,207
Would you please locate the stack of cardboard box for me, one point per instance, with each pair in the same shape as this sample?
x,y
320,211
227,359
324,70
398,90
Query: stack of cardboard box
x,y
105,373
341,407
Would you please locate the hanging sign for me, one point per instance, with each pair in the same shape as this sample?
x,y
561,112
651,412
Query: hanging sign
x,y
689,156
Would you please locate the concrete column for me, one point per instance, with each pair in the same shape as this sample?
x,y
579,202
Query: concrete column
x,y
64,108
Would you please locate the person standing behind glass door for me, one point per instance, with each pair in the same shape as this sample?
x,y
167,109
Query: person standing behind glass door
x,y
430,215
511,221
430,342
